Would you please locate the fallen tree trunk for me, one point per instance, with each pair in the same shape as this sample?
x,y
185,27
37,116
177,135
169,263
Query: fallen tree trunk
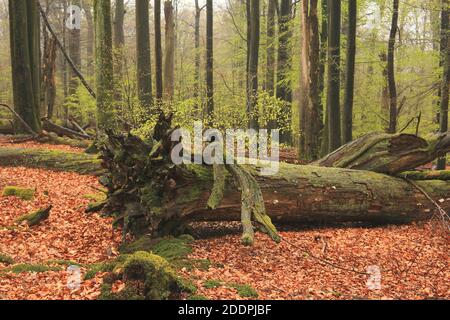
x,y
47,125
154,196
387,153
52,160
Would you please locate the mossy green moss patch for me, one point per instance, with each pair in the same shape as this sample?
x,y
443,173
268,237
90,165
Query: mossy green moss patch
x,y
26,194
6,259
212,284
147,276
245,290
28,267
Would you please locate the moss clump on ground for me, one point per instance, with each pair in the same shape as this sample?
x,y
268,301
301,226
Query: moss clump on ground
x,y
22,193
97,268
147,276
197,298
28,267
36,217
168,248
245,290
6,259
212,284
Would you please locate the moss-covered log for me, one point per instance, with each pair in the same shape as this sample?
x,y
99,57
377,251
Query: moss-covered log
x,y
51,159
387,153
154,196
325,195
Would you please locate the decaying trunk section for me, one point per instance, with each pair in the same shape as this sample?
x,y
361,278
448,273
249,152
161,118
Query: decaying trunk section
x,y
307,194
387,153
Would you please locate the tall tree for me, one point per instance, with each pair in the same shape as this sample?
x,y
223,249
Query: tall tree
x,y
445,61
323,62
391,70
158,52
270,49
198,12
25,61
119,35
311,122
252,95
347,114
334,63
209,58
284,91
283,87
74,26
87,7
104,65
169,61
143,52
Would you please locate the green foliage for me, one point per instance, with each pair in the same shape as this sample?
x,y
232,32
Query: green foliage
x,y
22,193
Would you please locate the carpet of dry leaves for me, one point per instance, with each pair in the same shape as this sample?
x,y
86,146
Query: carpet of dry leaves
x,y
310,264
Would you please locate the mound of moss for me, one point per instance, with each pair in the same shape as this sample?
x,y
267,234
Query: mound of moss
x,y
22,193
147,276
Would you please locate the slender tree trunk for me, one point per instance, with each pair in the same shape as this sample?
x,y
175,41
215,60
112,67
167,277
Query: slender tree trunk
x,y
90,38
169,61
209,59
25,61
334,62
270,50
75,47
143,51
391,70
158,52
104,65
198,13
252,95
347,127
323,61
119,36
284,91
445,61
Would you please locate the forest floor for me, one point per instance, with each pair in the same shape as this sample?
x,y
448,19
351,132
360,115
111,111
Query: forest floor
x,y
315,263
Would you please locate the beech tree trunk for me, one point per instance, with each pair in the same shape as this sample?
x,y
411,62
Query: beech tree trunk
x,y
158,53
104,64
391,70
25,61
252,94
334,74
347,115
311,122
209,59
143,52
445,62
169,61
